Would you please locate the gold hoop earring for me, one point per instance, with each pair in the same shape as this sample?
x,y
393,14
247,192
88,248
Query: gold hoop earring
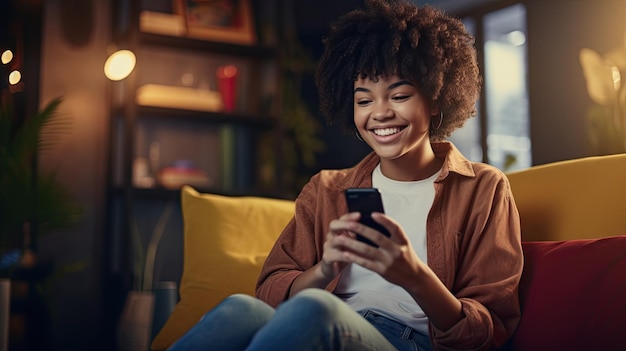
x,y
440,121
358,136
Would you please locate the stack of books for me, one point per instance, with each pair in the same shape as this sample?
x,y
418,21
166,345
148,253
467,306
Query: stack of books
x,y
180,174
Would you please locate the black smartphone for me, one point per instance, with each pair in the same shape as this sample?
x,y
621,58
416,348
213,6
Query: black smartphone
x,y
366,201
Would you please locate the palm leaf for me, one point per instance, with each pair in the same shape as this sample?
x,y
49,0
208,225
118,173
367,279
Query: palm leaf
x,y
27,139
24,195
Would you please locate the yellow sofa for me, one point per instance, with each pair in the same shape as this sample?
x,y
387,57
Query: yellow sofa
x,y
574,282
575,199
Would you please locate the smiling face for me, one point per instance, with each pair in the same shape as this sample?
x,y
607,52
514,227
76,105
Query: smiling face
x,y
393,118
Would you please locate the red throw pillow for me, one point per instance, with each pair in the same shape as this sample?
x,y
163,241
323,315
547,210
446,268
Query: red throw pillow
x,y
573,295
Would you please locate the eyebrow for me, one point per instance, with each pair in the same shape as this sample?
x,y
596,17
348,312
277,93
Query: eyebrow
x,y
390,87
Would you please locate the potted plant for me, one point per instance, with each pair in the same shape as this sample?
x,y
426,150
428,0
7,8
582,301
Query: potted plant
x,y
32,203
28,197
150,302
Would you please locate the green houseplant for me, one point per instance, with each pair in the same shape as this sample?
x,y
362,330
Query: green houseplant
x,y
300,126
28,197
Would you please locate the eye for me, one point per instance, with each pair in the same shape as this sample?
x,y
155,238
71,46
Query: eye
x,y
363,102
400,97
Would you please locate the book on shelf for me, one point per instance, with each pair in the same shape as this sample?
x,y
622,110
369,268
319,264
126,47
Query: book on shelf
x,y
237,171
176,177
185,98
227,157
162,23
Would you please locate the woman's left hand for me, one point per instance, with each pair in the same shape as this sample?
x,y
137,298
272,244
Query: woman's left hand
x,y
397,262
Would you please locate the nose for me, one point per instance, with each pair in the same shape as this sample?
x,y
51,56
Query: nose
x,y
382,111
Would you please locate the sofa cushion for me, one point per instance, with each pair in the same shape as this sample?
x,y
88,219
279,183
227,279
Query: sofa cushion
x,y
226,241
573,295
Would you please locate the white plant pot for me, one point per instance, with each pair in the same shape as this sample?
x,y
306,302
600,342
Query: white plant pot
x,y
134,328
5,304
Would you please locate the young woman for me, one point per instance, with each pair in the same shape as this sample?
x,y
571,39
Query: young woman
x,y
402,78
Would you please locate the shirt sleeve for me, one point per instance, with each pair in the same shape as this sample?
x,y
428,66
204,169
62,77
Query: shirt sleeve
x,y
488,270
296,250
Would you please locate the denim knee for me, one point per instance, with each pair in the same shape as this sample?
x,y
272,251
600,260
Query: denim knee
x,y
241,302
315,319
229,326
319,304
238,305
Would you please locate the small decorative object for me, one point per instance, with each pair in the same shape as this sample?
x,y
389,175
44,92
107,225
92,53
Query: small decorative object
x,y
141,173
136,321
227,81
229,21
165,299
183,172
606,84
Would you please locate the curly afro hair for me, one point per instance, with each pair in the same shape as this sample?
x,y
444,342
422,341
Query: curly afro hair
x,y
421,44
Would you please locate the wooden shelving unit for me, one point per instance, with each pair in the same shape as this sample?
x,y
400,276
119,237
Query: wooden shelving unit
x,y
226,140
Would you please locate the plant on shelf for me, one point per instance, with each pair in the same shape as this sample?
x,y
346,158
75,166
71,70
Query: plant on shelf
x,y
301,127
32,203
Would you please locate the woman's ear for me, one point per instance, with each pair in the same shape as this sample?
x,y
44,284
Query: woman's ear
x,y
434,108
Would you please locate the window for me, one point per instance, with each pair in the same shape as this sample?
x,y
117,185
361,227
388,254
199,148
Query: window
x,y
504,113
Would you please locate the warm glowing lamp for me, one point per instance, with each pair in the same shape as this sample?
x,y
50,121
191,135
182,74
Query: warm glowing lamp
x,y
15,77
119,65
6,57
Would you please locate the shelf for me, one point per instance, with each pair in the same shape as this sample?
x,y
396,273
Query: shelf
x,y
163,194
171,109
261,121
252,51
205,116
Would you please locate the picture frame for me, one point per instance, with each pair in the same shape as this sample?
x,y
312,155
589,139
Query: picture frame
x,y
228,21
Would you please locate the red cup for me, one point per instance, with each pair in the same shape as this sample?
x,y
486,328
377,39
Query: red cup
x,y
227,80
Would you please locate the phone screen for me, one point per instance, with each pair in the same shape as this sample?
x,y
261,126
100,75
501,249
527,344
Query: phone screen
x,y
366,201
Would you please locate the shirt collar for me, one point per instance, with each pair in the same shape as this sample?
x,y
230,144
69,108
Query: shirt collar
x,y
361,174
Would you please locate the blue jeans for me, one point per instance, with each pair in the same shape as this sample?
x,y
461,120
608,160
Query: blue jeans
x,y
314,319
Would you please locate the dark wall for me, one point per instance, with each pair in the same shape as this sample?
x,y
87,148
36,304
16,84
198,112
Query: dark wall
x,y
74,49
557,30
312,20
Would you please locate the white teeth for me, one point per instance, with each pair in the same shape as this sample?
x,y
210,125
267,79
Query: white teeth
x,y
387,131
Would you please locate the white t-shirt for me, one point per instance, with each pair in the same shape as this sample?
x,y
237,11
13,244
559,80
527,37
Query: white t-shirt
x,y
408,203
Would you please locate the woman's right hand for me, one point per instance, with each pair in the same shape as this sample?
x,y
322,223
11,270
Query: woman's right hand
x,y
333,261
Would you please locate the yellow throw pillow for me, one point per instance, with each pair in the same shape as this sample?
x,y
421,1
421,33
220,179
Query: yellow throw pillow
x,y
226,241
